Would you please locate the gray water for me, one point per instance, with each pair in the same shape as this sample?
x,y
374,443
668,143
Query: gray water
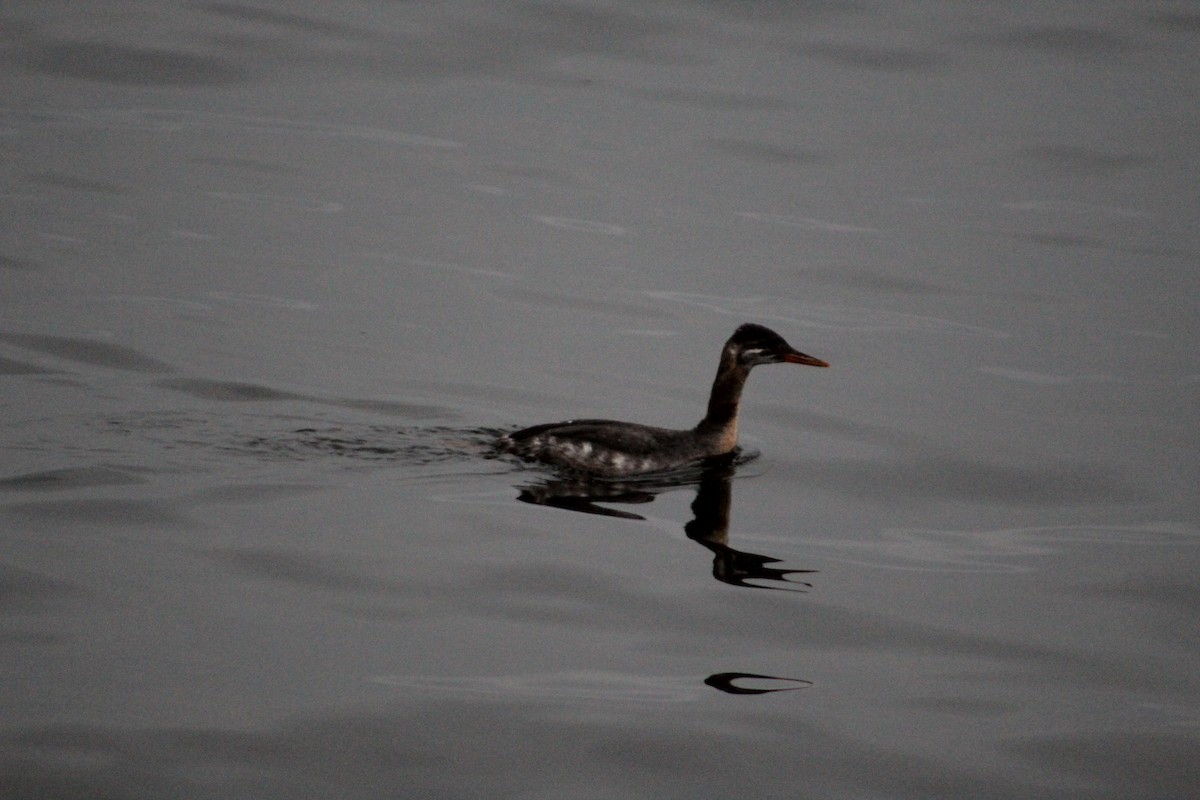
x,y
273,273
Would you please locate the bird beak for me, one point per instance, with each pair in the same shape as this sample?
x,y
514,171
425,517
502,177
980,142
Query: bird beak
x,y
796,357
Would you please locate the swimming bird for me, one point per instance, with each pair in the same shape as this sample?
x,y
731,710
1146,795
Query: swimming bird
x,y
612,449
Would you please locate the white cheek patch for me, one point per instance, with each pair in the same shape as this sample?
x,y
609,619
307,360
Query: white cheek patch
x,y
756,355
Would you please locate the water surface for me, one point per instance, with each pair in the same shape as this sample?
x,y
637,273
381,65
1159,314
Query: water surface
x,y
273,274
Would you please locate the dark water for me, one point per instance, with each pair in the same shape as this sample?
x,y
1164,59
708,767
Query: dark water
x,y
272,275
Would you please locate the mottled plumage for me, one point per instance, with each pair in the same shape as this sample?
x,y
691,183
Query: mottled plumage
x,y
609,448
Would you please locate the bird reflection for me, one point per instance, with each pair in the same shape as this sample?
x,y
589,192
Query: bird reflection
x,y
724,681
582,496
709,526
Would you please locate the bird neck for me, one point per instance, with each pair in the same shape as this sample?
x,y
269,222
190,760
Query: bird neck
x,y
721,420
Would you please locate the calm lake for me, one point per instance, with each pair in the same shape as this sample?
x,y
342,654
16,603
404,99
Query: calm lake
x,y
274,274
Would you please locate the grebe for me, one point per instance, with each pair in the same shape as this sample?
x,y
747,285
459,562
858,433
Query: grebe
x,y
610,449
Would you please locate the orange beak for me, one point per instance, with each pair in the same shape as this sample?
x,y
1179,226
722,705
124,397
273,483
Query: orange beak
x,y
796,357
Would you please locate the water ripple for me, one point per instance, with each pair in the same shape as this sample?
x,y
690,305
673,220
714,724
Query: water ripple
x,y
179,120
1005,550
822,317
582,225
807,222
582,685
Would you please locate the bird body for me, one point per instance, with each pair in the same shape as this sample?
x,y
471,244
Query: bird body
x,y
609,448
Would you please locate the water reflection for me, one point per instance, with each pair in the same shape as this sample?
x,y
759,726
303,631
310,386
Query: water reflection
x,y
708,527
582,496
725,682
